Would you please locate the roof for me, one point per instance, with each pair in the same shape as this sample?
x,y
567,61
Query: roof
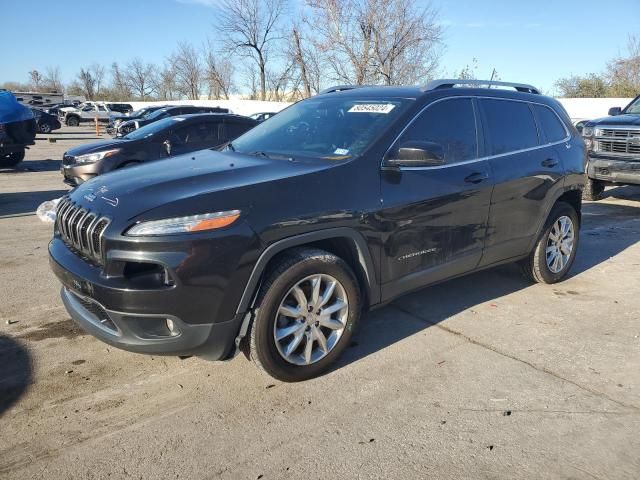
x,y
468,87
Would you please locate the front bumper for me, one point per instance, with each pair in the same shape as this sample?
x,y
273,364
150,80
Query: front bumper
x,y
613,170
136,320
76,174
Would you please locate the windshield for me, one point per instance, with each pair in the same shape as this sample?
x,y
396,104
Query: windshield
x,y
334,128
154,114
151,129
634,108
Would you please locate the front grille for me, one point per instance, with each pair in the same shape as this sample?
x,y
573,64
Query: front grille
x,y
618,141
81,230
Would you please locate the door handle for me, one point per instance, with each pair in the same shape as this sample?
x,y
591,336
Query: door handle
x,y
549,162
476,177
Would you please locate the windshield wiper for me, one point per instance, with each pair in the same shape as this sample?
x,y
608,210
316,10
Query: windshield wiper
x,y
260,154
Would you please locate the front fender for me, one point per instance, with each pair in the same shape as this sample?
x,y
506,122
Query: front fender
x,y
364,259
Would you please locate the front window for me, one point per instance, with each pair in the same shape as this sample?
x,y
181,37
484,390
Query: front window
x,y
634,107
156,114
334,128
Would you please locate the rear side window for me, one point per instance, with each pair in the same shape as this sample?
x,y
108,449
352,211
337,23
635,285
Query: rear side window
x,y
510,126
550,124
450,123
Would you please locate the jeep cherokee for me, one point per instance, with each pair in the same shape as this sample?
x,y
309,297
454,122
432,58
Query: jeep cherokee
x,y
340,203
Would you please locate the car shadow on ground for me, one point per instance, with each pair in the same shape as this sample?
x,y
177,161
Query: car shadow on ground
x,y
26,166
623,192
415,312
15,372
20,203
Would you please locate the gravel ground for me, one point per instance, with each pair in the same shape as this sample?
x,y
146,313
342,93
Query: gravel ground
x,y
481,377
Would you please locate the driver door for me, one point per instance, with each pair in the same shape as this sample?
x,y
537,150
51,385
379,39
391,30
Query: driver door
x,y
435,217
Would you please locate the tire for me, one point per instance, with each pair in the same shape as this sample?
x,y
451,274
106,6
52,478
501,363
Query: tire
x,y
536,266
301,267
11,160
593,189
44,128
73,121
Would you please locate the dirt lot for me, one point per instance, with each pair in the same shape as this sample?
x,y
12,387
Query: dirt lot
x,y
481,377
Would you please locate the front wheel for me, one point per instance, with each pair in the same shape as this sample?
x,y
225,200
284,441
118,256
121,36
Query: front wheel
x,y
308,308
593,189
73,121
553,255
45,128
12,159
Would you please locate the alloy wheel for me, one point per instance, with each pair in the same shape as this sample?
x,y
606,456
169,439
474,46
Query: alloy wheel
x,y
560,244
311,319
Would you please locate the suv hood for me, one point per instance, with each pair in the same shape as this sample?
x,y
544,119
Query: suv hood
x,y
619,120
132,191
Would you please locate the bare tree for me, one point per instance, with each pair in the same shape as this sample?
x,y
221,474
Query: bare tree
x,y
405,41
188,70
119,85
165,83
377,41
282,84
140,78
251,29
53,79
307,61
623,73
36,80
219,72
345,36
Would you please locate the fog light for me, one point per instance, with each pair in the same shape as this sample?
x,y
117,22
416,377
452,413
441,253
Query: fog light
x,y
172,327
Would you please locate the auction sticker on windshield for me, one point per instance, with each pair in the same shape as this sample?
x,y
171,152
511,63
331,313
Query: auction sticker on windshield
x,y
372,108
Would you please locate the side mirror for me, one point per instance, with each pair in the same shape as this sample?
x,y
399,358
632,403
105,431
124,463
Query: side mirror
x,y
416,154
615,111
167,146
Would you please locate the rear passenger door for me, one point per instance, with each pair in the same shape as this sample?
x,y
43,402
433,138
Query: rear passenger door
x,y
434,218
526,170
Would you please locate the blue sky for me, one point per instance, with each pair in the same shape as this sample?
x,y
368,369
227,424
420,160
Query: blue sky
x,y
533,42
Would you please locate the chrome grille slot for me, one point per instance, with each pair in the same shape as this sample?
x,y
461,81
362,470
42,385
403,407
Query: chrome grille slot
x,y
618,141
84,229
81,230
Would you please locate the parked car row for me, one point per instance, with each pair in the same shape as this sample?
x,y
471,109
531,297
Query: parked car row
x,y
128,125
164,138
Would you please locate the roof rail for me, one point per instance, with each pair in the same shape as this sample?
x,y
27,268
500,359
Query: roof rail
x,y
340,88
450,83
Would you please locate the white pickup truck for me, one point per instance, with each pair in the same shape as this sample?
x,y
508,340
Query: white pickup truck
x,y
89,111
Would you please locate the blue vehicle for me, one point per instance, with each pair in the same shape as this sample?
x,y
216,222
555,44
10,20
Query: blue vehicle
x,y
17,130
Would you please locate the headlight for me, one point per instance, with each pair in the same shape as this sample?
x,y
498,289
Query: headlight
x,y
587,132
193,223
94,157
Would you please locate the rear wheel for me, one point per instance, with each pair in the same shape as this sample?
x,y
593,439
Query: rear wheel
x,y
11,160
308,308
553,255
73,121
44,128
593,189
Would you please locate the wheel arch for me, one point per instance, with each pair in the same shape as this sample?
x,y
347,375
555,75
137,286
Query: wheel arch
x,y
344,242
572,196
